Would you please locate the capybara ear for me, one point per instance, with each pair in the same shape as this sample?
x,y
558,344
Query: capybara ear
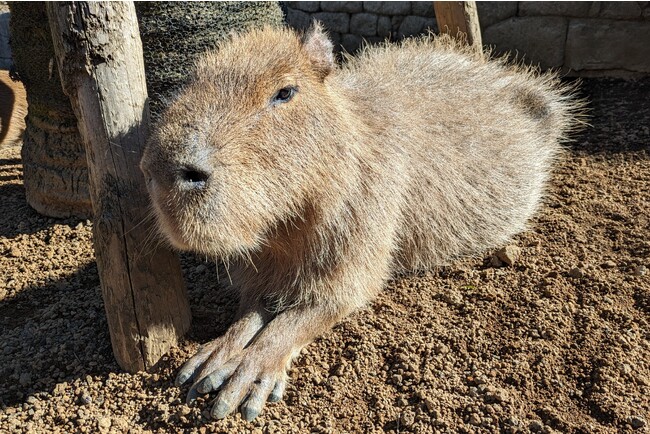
x,y
319,48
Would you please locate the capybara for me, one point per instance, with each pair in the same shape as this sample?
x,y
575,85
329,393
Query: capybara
x,y
315,183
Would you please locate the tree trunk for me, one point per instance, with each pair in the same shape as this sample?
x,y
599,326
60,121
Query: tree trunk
x,y
459,19
101,68
54,164
174,34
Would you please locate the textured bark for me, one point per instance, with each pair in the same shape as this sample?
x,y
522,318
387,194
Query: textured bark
x,y
100,62
459,18
54,165
174,34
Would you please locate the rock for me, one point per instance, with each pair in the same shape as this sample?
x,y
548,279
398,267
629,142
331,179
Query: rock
x,y
636,422
540,40
608,264
104,424
85,399
606,44
560,9
334,21
474,419
388,8
621,10
384,26
577,273
350,7
15,252
305,6
495,261
413,25
536,426
640,270
402,402
364,24
509,254
25,379
424,9
351,43
59,389
184,410
298,19
492,12
407,418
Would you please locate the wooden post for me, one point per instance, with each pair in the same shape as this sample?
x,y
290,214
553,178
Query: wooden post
x,y
457,18
99,56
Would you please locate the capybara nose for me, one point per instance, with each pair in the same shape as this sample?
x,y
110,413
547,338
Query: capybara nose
x,y
193,178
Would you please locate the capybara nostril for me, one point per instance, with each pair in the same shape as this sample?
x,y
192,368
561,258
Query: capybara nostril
x,y
192,177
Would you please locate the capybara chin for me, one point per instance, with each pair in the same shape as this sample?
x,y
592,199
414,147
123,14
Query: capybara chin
x,y
317,182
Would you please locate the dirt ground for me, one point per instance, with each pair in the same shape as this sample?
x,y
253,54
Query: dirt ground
x,y
557,342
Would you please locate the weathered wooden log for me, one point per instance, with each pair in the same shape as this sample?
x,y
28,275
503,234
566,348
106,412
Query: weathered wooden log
x,y
459,18
99,56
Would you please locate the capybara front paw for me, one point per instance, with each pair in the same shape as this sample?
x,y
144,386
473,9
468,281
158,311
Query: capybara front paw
x,y
248,386
242,379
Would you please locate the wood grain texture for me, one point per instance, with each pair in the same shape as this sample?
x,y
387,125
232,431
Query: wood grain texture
x,y
99,57
457,18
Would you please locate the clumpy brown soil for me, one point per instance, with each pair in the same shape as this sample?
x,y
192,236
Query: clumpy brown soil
x,y
557,342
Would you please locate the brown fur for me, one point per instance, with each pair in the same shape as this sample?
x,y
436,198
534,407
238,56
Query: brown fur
x,y
13,109
404,158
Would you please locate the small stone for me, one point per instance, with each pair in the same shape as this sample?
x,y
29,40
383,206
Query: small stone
x,y
15,252
495,261
85,399
608,264
637,422
184,410
402,402
408,418
397,379
576,273
509,254
441,348
430,404
104,424
452,298
59,389
536,426
475,419
641,270
25,379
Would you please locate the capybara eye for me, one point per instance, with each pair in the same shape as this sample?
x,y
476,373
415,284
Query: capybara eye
x,y
284,95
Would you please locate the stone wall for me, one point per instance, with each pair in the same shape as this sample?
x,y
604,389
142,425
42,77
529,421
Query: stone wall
x,y
350,23
581,38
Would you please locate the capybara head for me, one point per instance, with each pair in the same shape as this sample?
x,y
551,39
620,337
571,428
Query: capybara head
x,y
242,147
